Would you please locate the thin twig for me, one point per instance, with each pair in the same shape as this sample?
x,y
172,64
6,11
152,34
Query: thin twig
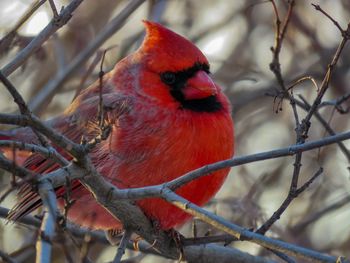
x,y
29,12
303,104
57,82
100,111
337,103
298,81
7,40
12,167
243,234
318,215
36,43
318,8
290,197
325,83
34,122
57,178
16,96
96,181
48,153
306,106
275,67
225,238
6,258
122,246
302,129
47,230
23,108
309,182
54,9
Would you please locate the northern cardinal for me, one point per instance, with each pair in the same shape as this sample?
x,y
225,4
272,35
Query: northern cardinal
x,y
177,120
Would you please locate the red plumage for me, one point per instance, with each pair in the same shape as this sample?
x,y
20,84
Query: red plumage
x,y
168,118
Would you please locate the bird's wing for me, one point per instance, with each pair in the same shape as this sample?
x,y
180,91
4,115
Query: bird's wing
x,y
81,122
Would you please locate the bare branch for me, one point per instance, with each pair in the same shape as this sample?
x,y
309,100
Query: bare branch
x,y
309,182
35,123
6,258
48,225
8,39
112,200
302,128
316,216
318,8
243,234
35,44
121,248
57,178
223,254
290,197
48,153
327,78
12,167
84,55
306,106
16,96
336,102
54,9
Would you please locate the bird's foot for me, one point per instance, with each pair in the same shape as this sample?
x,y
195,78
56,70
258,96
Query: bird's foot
x,y
114,235
178,238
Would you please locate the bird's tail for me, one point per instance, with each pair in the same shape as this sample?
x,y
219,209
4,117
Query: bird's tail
x,y
9,151
28,200
5,135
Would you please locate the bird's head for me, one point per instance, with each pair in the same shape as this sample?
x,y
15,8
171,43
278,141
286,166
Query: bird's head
x,y
175,71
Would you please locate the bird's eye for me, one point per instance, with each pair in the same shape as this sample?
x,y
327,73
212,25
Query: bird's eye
x,y
168,78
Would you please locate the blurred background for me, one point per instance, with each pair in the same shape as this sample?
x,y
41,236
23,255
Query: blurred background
x,y
236,36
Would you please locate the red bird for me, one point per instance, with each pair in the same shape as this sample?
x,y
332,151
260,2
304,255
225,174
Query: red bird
x,y
177,120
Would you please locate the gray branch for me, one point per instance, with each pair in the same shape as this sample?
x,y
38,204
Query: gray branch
x,y
48,225
55,24
48,91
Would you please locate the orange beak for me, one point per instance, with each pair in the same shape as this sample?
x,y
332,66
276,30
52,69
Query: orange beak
x,y
200,86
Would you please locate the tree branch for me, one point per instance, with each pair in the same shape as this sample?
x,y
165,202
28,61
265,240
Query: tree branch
x,y
57,82
35,44
48,225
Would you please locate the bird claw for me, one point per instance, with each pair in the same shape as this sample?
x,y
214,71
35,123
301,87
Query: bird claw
x,y
114,235
178,238
136,243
